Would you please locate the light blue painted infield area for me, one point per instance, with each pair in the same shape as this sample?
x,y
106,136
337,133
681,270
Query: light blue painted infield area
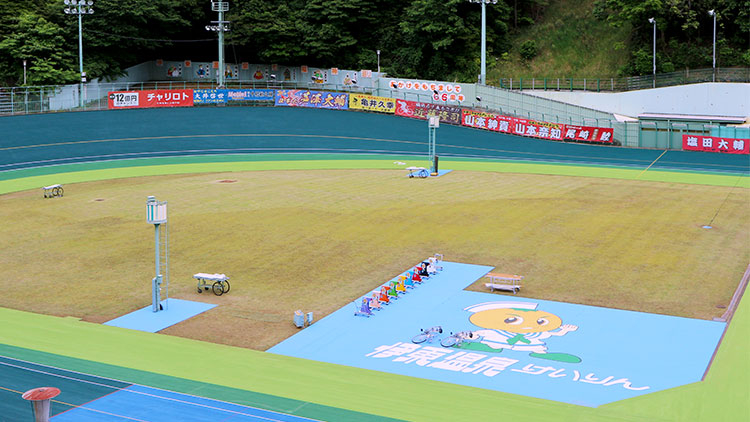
x,y
175,310
570,353
142,403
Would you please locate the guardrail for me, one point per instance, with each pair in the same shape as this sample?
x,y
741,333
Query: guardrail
x,y
632,83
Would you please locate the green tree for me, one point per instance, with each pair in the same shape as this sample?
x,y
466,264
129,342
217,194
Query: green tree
x,y
440,39
42,44
685,30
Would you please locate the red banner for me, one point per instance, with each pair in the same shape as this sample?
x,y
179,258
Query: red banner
x,y
533,128
152,98
715,144
589,134
413,109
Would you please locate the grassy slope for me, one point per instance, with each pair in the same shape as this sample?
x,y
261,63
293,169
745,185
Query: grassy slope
x,y
571,42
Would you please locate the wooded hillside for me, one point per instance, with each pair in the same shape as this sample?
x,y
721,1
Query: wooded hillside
x,y
431,39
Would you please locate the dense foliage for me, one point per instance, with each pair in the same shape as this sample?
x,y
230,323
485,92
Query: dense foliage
x,y
684,37
432,39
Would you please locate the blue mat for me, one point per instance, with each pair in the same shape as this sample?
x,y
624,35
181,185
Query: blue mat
x,y
577,354
175,310
441,172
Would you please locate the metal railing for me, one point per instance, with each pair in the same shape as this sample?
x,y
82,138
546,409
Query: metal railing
x,y
740,75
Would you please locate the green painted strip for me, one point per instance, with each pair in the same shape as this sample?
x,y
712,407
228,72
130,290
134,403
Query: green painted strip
x,y
20,180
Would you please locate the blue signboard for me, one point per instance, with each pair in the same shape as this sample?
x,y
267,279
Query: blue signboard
x,y
216,96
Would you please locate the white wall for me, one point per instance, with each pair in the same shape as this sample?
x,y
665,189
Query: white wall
x,y
715,99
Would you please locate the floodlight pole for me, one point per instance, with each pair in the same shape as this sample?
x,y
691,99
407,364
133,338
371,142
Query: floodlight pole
x,y
653,21
433,122
81,7
483,72
712,12
221,27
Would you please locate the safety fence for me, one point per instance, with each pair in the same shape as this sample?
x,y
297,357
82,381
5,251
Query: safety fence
x,y
630,83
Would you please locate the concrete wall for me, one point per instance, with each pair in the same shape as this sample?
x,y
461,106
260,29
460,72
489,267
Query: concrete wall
x,y
716,99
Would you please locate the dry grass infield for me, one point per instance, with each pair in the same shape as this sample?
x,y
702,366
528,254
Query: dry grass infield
x,y
316,240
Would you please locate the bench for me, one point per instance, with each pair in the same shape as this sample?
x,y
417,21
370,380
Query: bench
x,y
505,282
52,191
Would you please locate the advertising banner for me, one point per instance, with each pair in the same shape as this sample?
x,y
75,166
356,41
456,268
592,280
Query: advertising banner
x,y
151,98
516,126
447,114
533,128
715,144
536,129
216,96
315,99
589,134
372,103
488,121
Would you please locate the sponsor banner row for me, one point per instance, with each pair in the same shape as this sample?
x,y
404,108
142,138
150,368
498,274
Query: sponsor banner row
x,y
535,129
151,98
715,144
447,113
216,96
372,103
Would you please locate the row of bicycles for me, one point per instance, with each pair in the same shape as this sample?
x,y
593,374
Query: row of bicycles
x,y
432,333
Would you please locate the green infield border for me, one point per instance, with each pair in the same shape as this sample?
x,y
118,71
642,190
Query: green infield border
x,y
18,180
724,395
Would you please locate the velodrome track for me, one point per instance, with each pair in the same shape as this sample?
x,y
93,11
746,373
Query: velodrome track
x,y
43,140
76,142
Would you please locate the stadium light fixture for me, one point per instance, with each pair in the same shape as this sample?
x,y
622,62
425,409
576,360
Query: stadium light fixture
x,y
712,12
80,8
653,21
221,27
483,71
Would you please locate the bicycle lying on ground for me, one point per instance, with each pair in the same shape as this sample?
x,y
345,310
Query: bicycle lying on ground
x,y
458,338
427,335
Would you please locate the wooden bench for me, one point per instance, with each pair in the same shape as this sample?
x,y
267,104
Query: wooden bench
x,y
505,282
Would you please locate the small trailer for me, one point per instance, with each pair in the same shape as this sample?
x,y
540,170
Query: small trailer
x,y
53,191
219,283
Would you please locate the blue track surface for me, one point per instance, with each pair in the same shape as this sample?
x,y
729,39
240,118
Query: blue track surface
x,y
140,403
622,354
40,140
89,398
